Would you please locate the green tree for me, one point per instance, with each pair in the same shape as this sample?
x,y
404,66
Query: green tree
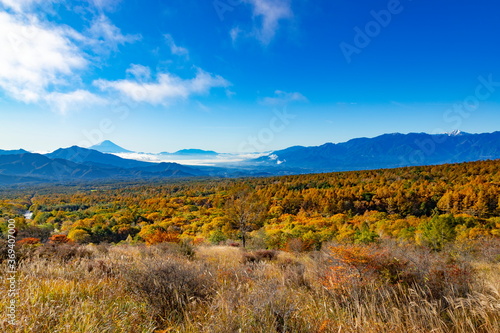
x,y
364,235
438,231
216,236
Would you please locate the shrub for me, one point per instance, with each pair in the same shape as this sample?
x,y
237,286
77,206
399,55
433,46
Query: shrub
x,y
293,272
356,266
187,249
100,268
259,255
160,236
169,286
29,241
39,231
26,247
79,236
198,241
181,249
3,245
216,237
352,265
63,252
298,245
154,234
439,231
59,239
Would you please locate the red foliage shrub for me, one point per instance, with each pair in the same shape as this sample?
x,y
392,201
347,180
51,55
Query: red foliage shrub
x,y
29,241
357,266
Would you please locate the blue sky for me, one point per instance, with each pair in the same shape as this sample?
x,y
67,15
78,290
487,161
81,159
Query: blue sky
x,y
243,75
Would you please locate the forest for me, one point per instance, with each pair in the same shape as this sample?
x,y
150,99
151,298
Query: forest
x,y
428,206
412,249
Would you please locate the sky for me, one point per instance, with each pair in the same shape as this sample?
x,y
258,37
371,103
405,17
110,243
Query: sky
x,y
240,76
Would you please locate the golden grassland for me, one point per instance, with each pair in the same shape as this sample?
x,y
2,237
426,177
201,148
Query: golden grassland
x,y
176,288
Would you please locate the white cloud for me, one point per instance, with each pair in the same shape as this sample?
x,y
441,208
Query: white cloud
x,y
267,15
78,99
283,98
177,50
106,36
41,61
166,88
190,160
22,5
140,72
235,33
108,5
35,56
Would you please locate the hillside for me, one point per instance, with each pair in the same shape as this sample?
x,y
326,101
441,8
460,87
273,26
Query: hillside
x,y
80,164
315,208
387,151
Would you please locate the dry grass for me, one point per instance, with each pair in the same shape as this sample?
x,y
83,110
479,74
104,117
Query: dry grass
x,y
66,297
160,288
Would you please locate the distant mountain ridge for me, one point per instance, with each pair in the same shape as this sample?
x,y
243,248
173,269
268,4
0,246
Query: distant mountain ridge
x,y
110,147
81,164
384,151
13,152
89,156
387,151
193,152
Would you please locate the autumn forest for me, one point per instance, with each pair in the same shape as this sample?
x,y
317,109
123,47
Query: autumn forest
x,y
429,206
413,249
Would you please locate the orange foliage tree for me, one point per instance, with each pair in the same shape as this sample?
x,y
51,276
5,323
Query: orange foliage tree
x,y
59,239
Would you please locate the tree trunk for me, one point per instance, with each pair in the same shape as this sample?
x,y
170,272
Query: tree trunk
x,y
243,239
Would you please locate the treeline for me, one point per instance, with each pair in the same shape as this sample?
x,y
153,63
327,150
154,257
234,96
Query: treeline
x,y
429,205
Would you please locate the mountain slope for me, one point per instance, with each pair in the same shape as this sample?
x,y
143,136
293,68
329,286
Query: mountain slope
x,y
89,156
192,152
195,152
40,167
29,168
109,147
13,152
169,167
387,151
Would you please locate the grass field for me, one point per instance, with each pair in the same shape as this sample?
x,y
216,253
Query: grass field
x,y
173,288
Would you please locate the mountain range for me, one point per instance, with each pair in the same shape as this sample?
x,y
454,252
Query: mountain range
x,y
28,167
112,148
196,152
385,151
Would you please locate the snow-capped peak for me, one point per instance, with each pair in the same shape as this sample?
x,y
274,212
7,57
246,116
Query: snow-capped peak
x,y
455,133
